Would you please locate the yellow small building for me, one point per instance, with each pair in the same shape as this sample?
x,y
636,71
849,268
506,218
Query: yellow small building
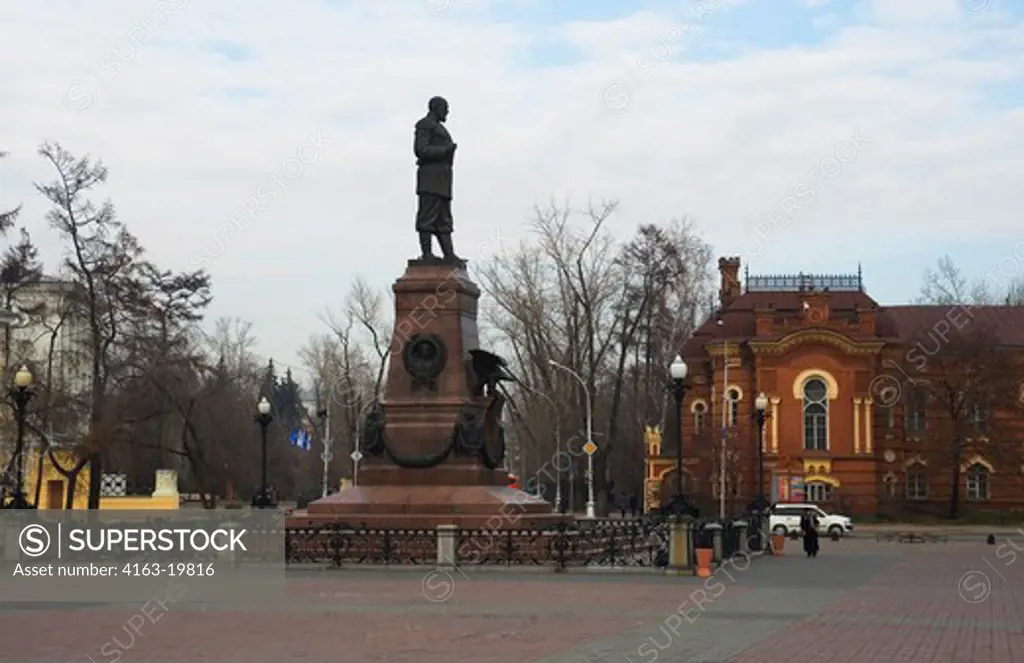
x,y
658,470
53,489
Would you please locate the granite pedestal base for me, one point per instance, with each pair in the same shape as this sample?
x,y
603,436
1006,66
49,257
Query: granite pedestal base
x,y
408,506
426,468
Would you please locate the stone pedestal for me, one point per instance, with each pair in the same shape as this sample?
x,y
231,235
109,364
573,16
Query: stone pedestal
x,y
434,448
716,542
446,546
743,526
679,546
166,484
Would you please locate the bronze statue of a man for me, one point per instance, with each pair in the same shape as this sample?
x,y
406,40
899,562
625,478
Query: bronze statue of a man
x,y
435,155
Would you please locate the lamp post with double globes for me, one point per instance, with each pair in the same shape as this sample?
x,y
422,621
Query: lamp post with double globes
x,y
21,394
263,417
760,414
677,385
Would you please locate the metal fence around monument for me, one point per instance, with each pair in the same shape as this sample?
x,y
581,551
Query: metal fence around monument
x,y
610,543
584,544
566,545
340,545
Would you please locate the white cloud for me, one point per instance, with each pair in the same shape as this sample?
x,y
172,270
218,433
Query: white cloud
x,y
189,134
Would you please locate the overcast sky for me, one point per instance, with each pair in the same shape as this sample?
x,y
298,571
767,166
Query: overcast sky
x,y
800,134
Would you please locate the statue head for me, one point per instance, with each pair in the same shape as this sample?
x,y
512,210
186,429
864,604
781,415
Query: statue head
x,y
438,108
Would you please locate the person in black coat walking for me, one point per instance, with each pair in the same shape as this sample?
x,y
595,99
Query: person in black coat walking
x,y
809,527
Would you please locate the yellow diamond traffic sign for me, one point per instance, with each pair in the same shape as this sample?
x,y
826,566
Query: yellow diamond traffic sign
x,y
590,448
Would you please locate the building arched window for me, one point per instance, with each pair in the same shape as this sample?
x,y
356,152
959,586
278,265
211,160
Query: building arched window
x,y
890,486
734,406
917,483
815,415
977,482
700,415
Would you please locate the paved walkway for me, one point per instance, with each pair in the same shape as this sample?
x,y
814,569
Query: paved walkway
x,y
859,601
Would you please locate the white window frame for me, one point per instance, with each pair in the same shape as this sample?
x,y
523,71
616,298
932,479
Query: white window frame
x,y
808,402
827,491
918,495
974,492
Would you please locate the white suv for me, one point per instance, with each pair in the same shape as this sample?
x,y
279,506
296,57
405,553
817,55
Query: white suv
x,y
785,520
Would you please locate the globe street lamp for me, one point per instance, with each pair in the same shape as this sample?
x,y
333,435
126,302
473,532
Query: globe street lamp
x,y
21,394
263,418
590,436
760,414
677,385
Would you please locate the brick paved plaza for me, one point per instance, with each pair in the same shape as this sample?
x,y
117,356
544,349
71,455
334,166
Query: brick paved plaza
x,y
859,601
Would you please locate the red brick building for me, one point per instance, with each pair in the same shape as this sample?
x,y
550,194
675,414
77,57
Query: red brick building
x,y
849,425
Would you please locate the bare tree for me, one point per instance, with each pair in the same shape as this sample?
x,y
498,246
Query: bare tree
x,y
232,343
364,308
946,285
20,269
667,277
57,405
348,366
343,381
615,313
200,416
102,258
970,383
555,298
1015,292
159,357
137,318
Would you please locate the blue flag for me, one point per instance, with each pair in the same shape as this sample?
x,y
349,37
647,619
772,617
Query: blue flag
x,y
301,439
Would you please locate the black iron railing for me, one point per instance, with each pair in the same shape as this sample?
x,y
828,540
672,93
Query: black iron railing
x,y
641,543
588,543
340,545
805,282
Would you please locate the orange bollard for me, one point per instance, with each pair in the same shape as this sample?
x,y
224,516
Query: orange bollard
x,y
778,544
704,562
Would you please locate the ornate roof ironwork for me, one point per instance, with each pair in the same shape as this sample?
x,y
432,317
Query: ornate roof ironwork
x,y
805,282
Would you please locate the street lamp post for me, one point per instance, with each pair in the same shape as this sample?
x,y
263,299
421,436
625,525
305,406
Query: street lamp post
x,y
21,394
558,470
590,436
760,408
558,447
263,418
327,455
677,385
